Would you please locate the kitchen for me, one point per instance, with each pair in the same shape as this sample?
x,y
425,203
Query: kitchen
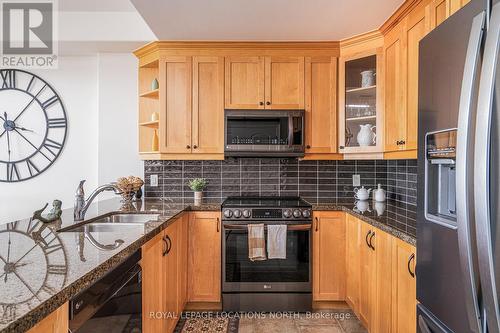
x,y
285,179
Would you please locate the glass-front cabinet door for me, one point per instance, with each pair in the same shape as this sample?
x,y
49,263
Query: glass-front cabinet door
x,y
360,121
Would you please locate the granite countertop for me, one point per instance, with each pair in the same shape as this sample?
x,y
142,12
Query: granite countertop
x,y
50,267
383,215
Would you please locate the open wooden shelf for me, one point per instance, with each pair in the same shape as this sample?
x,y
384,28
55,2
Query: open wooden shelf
x,y
152,124
151,94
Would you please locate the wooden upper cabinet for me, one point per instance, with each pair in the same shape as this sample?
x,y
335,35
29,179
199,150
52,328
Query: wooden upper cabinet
x,y
415,30
437,12
329,258
208,105
395,90
353,241
404,303
320,107
175,129
284,82
244,83
204,263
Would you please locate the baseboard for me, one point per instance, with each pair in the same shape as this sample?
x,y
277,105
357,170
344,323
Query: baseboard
x,y
203,306
330,305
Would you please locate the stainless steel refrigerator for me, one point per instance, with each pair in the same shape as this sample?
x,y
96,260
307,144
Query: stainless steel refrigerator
x,y
458,242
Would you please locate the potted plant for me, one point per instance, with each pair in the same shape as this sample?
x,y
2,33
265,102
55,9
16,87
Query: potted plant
x,y
197,185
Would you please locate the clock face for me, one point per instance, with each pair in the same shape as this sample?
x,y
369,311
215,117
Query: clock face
x,y
33,267
33,125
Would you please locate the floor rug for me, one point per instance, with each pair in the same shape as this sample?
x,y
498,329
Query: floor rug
x,y
212,324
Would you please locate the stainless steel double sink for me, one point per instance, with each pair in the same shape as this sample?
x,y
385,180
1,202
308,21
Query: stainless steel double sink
x,y
112,221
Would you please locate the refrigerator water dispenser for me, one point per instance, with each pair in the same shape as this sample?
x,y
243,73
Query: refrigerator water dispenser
x,y
440,196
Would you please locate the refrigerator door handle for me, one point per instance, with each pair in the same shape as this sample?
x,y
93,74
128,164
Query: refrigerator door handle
x,y
482,173
464,169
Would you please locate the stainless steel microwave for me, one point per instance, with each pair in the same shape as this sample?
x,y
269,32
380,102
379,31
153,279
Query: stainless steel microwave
x,y
264,133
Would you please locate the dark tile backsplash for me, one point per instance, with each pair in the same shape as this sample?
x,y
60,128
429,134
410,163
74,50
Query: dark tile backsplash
x,y
315,181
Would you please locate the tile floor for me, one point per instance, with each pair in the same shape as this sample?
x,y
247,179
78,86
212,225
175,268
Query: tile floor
x,y
339,321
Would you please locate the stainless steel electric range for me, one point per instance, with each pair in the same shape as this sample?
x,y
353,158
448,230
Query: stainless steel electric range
x,y
269,285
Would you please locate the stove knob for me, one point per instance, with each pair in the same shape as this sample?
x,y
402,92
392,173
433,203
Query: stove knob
x,y
287,213
237,213
296,213
246,213
306,213
228,213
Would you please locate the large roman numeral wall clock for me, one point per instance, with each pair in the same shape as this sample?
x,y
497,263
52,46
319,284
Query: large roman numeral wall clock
x,y
33,125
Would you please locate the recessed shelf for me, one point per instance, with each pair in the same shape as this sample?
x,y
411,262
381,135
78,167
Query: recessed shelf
x,y
361,118
150,94
152,124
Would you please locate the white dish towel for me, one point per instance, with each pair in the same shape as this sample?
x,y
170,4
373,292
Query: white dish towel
x,y
276,241
256,242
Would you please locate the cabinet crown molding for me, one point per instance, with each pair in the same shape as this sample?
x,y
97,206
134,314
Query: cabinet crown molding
x,y
361,38
225,45
400,13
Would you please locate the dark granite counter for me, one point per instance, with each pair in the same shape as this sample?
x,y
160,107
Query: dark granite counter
x,y
383,215
46,267
49,267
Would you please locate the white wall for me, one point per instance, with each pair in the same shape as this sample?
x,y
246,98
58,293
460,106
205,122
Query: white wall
x,y
118,118
100,97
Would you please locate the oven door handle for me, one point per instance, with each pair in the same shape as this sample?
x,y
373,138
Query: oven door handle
x,y
290,227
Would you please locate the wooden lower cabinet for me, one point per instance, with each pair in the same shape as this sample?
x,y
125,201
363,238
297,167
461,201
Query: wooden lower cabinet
x,y
154,285
353,243
382,297
379,286
404,304
56,322
204,263
329,256
162,269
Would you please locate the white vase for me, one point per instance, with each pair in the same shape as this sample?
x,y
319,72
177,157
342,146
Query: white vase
x,y
366,136
198,196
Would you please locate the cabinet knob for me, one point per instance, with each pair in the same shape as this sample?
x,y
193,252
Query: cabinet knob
x,y
261,103
308,147
268,103
341,147
188,147
195,146
403,142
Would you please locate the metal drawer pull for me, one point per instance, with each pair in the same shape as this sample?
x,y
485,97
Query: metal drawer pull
x,y
410,258
218,225
366,238
169,244
317,222
371,244
165,247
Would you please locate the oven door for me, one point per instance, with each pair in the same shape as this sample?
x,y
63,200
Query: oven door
x,y
292,274
264,133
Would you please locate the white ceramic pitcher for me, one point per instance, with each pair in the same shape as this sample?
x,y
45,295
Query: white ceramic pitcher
x,y
366,136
